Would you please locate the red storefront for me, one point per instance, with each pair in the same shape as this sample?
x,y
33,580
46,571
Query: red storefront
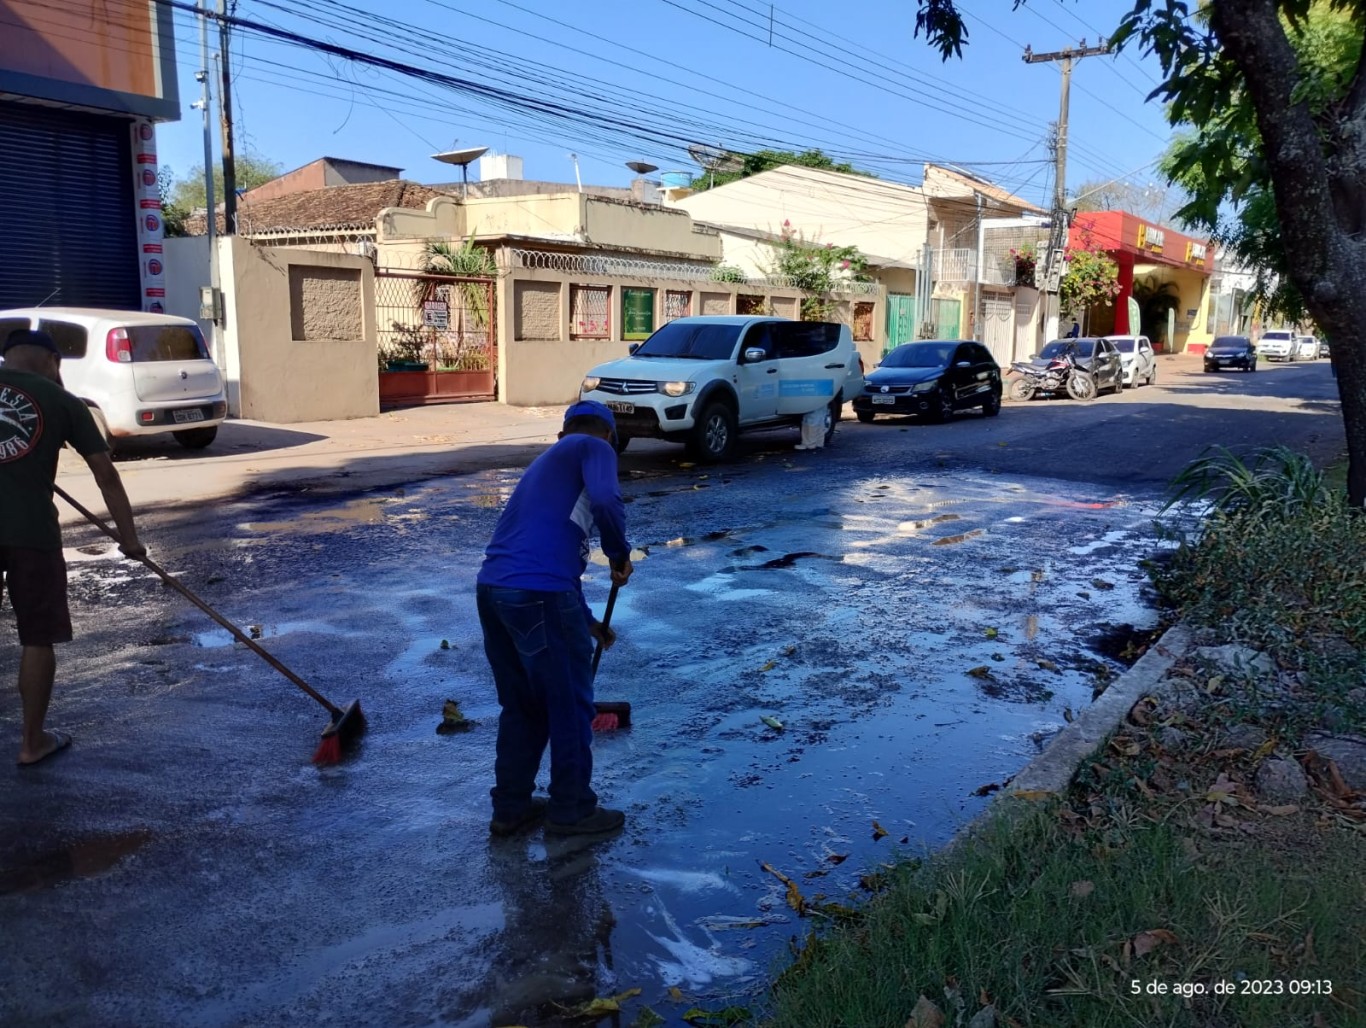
x,y
1167,268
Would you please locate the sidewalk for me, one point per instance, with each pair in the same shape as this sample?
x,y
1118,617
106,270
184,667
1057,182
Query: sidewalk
x,y
365,453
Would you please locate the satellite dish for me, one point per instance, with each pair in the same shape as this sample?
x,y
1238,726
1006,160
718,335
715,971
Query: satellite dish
x,y
463,157
641,167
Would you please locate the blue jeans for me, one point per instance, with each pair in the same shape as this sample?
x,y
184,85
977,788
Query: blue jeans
x,y
541,654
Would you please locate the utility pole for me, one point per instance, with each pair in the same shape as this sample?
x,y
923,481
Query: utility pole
x,y
203,103
225,100
1057,240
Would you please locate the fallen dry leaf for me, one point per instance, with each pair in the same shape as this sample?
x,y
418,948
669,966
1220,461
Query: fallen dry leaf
x,y
837,858
1047,665
1282,811
1032,794
981,671
1146,942
1080,890
675,994
878,831
925,1015
768,667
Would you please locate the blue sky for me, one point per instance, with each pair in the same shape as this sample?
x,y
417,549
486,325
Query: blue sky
x,y
848,78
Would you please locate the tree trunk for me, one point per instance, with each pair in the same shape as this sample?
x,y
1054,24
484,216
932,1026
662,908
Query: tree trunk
x,y
1318,170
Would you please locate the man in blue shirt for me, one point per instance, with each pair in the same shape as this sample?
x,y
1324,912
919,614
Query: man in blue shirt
x,y
539,632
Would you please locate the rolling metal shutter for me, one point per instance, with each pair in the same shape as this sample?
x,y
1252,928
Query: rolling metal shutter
x,y
68,232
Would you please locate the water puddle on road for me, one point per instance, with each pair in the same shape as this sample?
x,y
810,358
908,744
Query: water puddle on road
x,y
83,858
800,667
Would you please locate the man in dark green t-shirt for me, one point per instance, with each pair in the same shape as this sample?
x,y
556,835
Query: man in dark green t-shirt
x,y
37,417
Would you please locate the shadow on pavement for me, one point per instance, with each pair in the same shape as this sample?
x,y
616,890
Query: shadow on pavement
x,y
234,437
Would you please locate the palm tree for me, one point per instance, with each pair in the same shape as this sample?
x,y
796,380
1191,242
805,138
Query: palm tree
x,y
1154,300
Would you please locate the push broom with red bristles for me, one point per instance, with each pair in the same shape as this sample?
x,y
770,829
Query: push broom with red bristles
x,y
610,715
347,722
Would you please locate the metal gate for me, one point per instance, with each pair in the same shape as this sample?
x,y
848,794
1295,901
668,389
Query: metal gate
x,y
436,324
998,327
945,317
900,319
67,219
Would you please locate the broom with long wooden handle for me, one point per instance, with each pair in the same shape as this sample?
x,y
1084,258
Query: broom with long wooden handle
x,y
347,722
610,715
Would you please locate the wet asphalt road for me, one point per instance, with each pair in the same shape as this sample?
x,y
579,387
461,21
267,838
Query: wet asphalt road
x,y
185,864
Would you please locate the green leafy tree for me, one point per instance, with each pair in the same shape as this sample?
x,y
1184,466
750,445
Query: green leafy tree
x,y
767,160
172,214
188,193
1283,113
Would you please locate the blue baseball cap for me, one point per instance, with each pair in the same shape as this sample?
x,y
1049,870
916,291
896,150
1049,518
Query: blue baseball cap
x,y
592,409
29,337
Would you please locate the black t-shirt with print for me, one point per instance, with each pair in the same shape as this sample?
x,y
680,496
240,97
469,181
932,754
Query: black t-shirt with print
x,y
37,418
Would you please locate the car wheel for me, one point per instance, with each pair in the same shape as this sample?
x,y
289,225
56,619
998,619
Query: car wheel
x,y
866,416
1152,376
991,406
1022,389
622,442
941,408
713,436
196,438
1081,386
832,418
1210,371
1252,366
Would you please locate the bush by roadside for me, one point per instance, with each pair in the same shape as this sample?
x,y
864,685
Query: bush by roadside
x,y
1205,866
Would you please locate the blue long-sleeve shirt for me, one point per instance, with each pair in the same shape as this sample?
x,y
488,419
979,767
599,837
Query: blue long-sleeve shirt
x,y
541,541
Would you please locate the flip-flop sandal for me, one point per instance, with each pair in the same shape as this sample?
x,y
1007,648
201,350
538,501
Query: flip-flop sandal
x,y
63,742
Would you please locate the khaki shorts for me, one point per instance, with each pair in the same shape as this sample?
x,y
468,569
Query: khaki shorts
x,y
36,581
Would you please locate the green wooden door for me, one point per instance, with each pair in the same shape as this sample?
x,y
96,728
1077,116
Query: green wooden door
x,y
900,319
947,314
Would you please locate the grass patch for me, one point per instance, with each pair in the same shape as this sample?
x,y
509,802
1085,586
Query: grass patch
x,y
1052,914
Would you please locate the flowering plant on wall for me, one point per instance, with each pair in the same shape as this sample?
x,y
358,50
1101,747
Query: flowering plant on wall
x,y
816,269
1026,259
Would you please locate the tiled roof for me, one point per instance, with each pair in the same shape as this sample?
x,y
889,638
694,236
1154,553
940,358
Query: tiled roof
x,y
336,207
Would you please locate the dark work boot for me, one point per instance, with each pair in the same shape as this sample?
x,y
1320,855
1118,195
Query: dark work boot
x,y
534,815
600,822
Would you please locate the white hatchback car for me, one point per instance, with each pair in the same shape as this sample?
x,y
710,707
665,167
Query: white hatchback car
x,y
1139,360
1306,348
701,380
140,374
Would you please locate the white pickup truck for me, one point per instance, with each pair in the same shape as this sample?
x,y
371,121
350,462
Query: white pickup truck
x,y
702,380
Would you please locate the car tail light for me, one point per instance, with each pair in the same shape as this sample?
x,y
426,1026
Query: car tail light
x,y
118,347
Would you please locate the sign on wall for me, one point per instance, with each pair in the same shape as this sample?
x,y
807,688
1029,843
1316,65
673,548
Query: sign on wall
x,y
1150,238
151,231
637,313
1195,253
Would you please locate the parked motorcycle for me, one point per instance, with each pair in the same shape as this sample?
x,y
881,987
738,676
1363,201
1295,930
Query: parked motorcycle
x,y
1058,375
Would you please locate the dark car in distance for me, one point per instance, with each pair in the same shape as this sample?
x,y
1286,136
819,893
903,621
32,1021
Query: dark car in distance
x,y
1231,352
932,379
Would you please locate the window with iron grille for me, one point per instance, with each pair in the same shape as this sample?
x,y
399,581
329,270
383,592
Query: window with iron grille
x,y
677,304
590,312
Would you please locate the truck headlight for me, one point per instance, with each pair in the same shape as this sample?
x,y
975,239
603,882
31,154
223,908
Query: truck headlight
x,y
677,388
589,384
925,387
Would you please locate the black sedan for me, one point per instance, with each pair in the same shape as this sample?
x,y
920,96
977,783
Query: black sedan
x,y
932,379
1231,352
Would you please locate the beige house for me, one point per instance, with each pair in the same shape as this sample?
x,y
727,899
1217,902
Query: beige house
x,y
921,242
579,278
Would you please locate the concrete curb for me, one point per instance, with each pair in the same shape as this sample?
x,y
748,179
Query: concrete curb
x,y
1052,770
1050,773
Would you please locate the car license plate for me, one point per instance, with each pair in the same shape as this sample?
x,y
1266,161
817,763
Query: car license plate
x,y
621,408
181,417
884,399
